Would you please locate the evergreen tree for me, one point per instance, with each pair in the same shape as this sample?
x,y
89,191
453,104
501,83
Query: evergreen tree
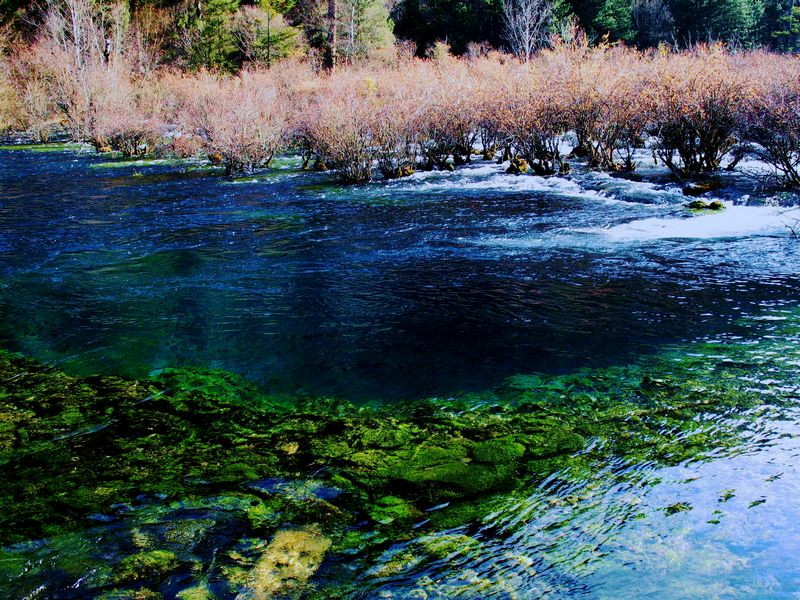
x,y
364,25
458,22
614,20
206,35
698,21
781,25
262,34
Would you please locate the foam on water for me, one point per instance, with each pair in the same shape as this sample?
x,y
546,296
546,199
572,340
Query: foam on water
x,y
493,178
734,221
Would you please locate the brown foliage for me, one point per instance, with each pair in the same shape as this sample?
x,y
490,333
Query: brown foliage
x,y
241,118
695,98
690,108
771,119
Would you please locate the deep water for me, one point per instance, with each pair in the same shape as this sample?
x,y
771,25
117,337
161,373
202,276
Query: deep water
x,y
611,384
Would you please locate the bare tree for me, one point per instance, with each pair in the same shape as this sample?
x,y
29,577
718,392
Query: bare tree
x,y
527,23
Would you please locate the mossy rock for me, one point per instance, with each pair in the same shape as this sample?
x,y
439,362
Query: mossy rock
x,y
140,594
496,451
442,546
391,508
287,564
703,205
197,592
444,472
518,166
153,565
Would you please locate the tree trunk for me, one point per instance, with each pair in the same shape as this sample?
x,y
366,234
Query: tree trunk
x,y
330,51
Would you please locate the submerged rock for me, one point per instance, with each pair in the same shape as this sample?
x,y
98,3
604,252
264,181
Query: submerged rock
x,y
197,592
702,187
140,594
212,483
286,566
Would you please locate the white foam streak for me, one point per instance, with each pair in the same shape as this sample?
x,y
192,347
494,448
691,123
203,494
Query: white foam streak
x,y
734,221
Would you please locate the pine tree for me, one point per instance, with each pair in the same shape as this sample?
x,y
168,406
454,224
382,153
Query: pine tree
x,y
781,25
614,20
206,35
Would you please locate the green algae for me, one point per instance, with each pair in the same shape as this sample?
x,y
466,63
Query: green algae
x,y
59,147
146,566
194,459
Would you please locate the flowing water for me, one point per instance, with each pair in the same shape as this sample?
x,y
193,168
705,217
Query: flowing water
x,y
451,285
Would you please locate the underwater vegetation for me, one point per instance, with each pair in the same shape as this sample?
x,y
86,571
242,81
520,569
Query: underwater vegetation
x,y
196,484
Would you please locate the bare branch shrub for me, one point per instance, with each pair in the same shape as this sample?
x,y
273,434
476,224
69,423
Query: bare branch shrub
x,y
607,112
694,98
771,120
535,117
11,109
241,119
341,135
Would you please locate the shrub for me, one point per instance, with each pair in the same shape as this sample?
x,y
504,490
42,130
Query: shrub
x,y
694,103
534,117
340,131
10,102
448,119
394,121
241,119
772,121
606,107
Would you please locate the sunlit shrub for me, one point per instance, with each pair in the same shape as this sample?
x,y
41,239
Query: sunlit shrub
x,y
694,102
10,102
607,109
448,120
394,121
241,119
341,135
534,117
89,74
771,120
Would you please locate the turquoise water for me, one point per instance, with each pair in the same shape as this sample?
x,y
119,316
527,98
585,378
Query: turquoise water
x,y
448,285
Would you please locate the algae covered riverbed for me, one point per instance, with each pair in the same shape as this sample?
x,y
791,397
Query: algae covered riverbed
x,y
458,385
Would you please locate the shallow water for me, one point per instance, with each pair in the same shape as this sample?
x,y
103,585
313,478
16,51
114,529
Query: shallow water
x,y
444,284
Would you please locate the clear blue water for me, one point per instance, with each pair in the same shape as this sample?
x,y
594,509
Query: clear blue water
x,y
456,281
436,285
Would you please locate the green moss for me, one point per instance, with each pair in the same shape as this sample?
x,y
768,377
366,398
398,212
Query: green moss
x,y
194,460
140,594
391,508
197,592
146,566
442,546
678,507
501,450
46,147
